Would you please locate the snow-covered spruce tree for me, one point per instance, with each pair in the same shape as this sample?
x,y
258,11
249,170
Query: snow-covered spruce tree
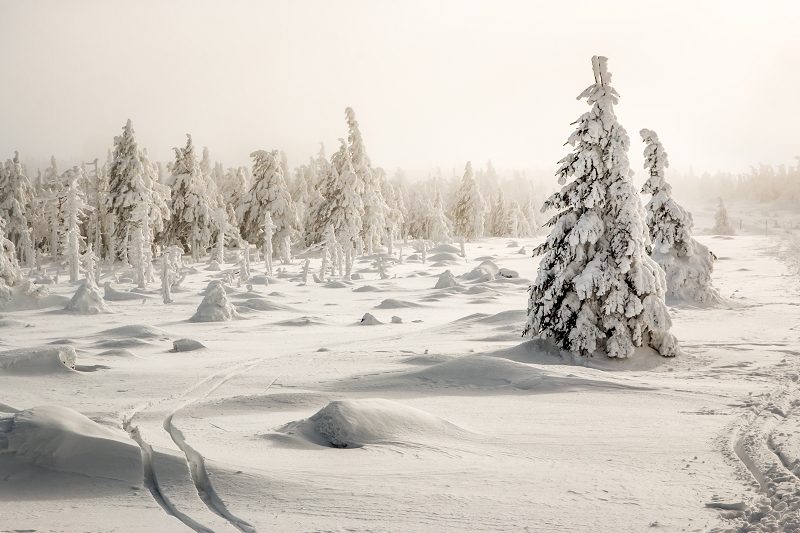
x,y
530,215
469,207
125,187
597,289
498,216
191,204
686,263
48,200
10,272
16,207
517,222
723,225
73,210
438,225
233,189
268,193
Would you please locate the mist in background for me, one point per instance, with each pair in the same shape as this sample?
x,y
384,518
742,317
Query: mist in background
x,y
433,84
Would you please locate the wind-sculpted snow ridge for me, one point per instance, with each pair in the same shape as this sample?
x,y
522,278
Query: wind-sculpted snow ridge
x,y
759,440
357,423
477,374
392,303
38,361
135,331
64,440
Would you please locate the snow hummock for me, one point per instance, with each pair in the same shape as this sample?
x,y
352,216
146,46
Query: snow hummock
x,y
356,423
186,345
113,295
88,300
446,280
369,320
64,440
215,306
38,361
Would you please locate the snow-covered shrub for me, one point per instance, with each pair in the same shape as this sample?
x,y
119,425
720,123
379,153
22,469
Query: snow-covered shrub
x,y
597,289
215,306
88,300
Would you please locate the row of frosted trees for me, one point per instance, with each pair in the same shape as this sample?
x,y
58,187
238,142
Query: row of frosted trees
x,y
128,207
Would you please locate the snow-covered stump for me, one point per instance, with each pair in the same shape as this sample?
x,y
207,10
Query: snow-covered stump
x,y
597,290
244,271
304,275
687,263
88,300
215,306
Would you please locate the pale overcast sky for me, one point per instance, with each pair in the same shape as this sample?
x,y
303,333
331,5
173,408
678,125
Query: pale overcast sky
x,y
432,82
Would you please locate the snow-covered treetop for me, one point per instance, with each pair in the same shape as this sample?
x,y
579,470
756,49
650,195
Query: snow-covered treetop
x,y
358,153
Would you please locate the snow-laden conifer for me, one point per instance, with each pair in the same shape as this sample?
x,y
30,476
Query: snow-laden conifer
x,y
125,186
16,207
268,193
10,273
73,210
686,263
517,222
597,289
469,208
498,216
234,188
192,205
722,225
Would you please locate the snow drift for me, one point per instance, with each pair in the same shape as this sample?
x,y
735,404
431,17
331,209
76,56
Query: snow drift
x,y
87,300
355,423
38,361
64,440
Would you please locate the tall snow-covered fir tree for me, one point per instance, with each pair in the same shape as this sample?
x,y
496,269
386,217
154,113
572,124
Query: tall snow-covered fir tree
x,y
517,222
191,204
73,210
10,272
268,193
686,263
498,216
469,208
125,187
16,207
597,289
722,225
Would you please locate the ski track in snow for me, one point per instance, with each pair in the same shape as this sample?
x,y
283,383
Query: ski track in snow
x,y
195,461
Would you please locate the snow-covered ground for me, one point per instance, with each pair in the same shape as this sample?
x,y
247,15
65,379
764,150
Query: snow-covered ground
x,y
298,417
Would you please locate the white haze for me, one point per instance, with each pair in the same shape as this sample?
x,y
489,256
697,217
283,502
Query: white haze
x,y
432,83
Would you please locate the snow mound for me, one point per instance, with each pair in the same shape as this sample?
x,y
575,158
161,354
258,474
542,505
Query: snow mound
x,y
479,289
369,320
64,440
522,251
213,266
186,345
446,280
445,248
506,317
113,295
397,320
486,271
391,303
480,374
26,297
301,322
444,256
260,304
367,288
88,300
215,306
135,331
335,285
226,288
356,423
512,244
9,323
117,352
508,273
38,361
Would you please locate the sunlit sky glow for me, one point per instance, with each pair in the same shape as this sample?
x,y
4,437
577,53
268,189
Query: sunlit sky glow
x,y
432,82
